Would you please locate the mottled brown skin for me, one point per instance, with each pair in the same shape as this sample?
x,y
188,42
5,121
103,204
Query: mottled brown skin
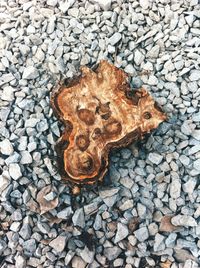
x,y
100,112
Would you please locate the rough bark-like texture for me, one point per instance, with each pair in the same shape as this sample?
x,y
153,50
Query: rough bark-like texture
x,y
100,112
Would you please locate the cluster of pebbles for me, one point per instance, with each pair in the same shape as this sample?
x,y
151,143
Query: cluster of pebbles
x,y
147,212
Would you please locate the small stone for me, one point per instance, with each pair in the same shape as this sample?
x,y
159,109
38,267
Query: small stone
x,y
74,12
186,129
112,253
78,218
126,205
138,57
30,73
111,49
24,49
4,182
190,263
184,220
16,194
153,80
31,122
64,6
70,254
122,232
196,117
142,210
50,196
153,52
52,3
137,82
129,69
194,149
47,12
3,246
8,94
142,234
6,147
43,227
194,75
20,262
78,262
175,188
26,158
189,186
87,255
144,4
65,213
155,158
59,243
127,182
108,193
15,171
196,164
159,242
105,4
118,262
170,241
184,160
15,226
115,38
30,245
42,125
91,208
25,231
196,134
16,215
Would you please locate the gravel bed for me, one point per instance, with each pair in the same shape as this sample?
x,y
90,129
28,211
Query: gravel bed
x,y
147,212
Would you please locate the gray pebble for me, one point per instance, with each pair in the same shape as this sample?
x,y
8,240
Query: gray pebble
x,y
159,242
50,196
175,188
155,158
20,261
59,243
137,82
194,75
142,234
8,93
78,218
30,245
112,253
115,38
6,147
183,220
87,255
3,246
196,164
30,73
65,213
15,171
122,232
26,158
138,57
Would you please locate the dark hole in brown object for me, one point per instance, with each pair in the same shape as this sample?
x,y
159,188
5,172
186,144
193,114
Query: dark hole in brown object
x,y
147,115
105,116
82,141
113,128
86,163
86,116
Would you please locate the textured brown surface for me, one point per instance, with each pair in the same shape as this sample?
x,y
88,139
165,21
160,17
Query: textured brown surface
x,y
100,111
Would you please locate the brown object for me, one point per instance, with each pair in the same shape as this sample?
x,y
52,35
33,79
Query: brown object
x,y
100,112
166,225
